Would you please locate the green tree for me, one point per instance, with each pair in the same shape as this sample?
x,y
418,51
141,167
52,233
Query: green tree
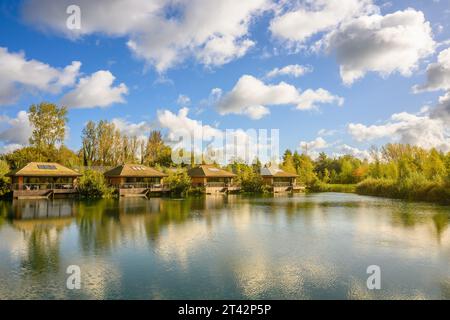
x,y
49,125
93,185
288,164
89,141
305,170
156,151
4,181
20,157
179,181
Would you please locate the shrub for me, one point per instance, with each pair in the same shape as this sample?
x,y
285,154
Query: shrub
x,y
319,186
93,185
4,187
414,187
253,183
179,182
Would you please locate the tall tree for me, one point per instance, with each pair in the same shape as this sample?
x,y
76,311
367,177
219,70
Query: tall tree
x,y
288,162
49,125
154,146
89,140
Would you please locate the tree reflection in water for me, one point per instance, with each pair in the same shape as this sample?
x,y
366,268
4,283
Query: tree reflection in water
x,y
288,240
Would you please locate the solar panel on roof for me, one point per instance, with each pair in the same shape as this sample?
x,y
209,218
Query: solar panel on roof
x,y
46,167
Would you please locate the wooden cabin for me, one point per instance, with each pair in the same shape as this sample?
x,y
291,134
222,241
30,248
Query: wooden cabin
x,y
213,179
39,180
279,180
136,180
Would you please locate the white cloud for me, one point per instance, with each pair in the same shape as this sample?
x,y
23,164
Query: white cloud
x,y
95,91
130,129
163,32
14,132
326,132
438,74
307,18
250,96
225,144
19,75
442,110
355,152
384,44
183,100
294,70
406,128
181,125
318,144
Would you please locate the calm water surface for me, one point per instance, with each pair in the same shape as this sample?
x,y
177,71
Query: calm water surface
x,y
299,247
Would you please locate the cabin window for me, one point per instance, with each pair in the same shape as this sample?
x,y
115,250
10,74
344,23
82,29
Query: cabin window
x,y
143,180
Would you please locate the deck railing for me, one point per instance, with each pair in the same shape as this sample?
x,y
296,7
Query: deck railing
x,y
43,186
283,184
216,185
139,185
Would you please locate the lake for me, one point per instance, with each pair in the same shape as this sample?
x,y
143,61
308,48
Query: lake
x,y
315,246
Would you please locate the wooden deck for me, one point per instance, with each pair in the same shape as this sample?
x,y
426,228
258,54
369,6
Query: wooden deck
x,y
220,188
140,190
282,188
43,190
43,194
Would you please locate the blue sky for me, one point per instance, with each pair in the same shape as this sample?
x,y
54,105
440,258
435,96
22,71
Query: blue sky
x,y
378,106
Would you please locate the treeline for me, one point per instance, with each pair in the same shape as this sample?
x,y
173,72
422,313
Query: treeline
x,y
395,170
105,145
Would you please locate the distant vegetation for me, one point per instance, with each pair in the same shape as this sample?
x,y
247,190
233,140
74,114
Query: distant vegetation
x,y
92,184
395,171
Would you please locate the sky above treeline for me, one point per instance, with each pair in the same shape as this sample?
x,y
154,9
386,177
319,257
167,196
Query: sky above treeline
x,y
337,76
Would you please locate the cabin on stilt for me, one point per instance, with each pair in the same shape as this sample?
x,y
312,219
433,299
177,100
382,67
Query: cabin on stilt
x,y
40,180
136,180
213,179
279,180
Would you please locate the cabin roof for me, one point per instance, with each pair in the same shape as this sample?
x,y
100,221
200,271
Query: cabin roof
x,y
134,171
210,171
276,173
43,169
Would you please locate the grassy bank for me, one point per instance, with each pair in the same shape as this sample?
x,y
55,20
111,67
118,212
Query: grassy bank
x,y
326,187
411,189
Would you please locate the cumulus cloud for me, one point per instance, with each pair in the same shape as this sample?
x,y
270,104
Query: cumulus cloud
x,y
406,128
180,124
355,152
14,132
317,144
163,32
183,100
293,70
304,19
250,96
442,110
438,74
96,90
327,132
222,145
130,129
384,44
19,75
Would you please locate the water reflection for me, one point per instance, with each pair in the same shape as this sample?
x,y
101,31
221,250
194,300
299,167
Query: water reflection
x,y
298,247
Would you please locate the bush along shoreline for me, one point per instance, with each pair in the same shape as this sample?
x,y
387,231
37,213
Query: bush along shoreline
x,y
411,190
